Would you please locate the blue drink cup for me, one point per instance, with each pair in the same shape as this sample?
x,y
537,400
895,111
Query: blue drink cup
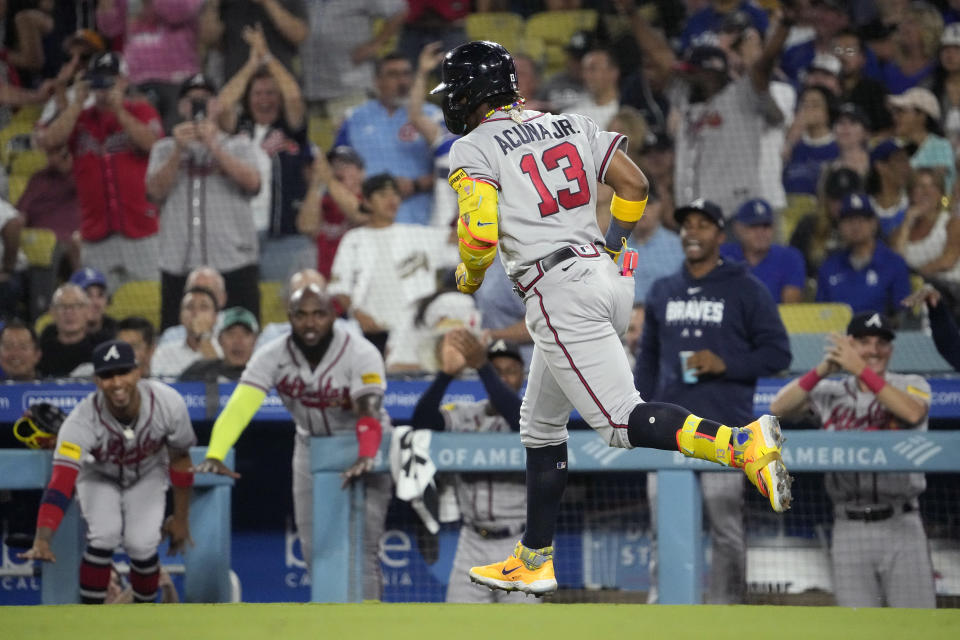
x,y
689,375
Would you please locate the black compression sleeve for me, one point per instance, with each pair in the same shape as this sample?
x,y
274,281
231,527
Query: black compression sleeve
x,y
426,415
502,397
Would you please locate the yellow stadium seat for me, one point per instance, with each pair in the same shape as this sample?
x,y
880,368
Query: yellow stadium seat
x,y
140,298
39,246
816,317
554,29
28,113
321,131
498,26
390,45
273,307
26,163
16,185
41,323
14,138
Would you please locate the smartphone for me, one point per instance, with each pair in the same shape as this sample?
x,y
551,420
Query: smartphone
x,y
198,109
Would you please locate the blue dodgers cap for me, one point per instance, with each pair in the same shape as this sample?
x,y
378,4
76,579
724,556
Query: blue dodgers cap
x,y
886,148
702,206
113,355
857,205
87,277
755,212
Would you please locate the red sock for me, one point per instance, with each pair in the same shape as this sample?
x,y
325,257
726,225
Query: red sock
x,y
95,575
145,578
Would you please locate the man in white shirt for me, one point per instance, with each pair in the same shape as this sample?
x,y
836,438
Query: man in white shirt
x,y
198,315
601,76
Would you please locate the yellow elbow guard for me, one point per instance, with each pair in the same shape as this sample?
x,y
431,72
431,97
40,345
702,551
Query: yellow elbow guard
x,y
627,210
477,201
240,409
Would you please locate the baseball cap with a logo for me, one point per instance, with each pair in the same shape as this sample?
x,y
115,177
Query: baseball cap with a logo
x,y
951,35
755,213
503,348
113,356
856,205
917,98
706,57
197,81
88,277
701,206
870,323
104,68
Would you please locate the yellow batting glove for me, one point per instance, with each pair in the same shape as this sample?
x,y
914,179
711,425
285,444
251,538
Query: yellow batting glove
x,y
468,281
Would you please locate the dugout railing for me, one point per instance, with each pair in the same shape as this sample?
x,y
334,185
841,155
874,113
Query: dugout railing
x,y
206,562
338,523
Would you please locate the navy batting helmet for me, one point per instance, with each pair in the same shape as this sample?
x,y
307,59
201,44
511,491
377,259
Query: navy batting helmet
x,y
470,74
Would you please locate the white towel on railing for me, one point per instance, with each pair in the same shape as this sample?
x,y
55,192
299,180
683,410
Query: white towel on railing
x,y
413,472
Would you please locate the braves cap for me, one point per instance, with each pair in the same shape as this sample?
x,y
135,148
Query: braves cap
x,y
87,277
702,206
503,348
344,153
856,205
755,212
707,57
197,81
581,42
113,355
243,317
104,68
870,323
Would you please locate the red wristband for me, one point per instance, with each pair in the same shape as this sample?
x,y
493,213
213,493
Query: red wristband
x,y
369,433
809,380
182,479
874,382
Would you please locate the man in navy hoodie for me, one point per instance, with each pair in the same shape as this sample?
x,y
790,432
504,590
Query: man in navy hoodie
x,y
710,331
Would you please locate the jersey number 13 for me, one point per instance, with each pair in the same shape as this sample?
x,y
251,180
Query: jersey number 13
x,y
573,172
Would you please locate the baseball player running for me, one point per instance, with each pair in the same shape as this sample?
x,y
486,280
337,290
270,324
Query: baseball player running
x,y
879,548
492,505
118,447
331,382
527,182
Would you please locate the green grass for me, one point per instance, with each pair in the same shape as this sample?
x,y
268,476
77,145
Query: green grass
x,y
460,622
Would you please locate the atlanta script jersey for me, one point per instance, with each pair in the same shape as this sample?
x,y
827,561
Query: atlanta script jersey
x,y
92,440
321,399
546,168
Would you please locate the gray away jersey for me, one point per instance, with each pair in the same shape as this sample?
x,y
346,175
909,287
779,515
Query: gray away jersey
x,y
842,406
92,440
320,400
546,169
489,500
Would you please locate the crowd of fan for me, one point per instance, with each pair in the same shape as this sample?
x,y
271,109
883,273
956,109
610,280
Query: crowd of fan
x,y
180,142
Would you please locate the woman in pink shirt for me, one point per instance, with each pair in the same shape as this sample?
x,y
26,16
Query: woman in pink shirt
x,y
160,44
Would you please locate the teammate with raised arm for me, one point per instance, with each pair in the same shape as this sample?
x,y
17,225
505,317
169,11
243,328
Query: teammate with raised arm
x,y
527,182
120,446
332,383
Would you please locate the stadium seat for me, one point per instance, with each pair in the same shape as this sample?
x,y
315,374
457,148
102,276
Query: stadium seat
x,y
817,317
141,298
41,323
321,131
28,162
554,29
15,137
272,307
913,352
798,206
390,45
39,245
16,185
29,113
499,26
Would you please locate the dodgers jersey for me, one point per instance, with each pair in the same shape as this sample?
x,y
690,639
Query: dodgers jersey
x,y
546,168
320,400
842,405
93,441
490,500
